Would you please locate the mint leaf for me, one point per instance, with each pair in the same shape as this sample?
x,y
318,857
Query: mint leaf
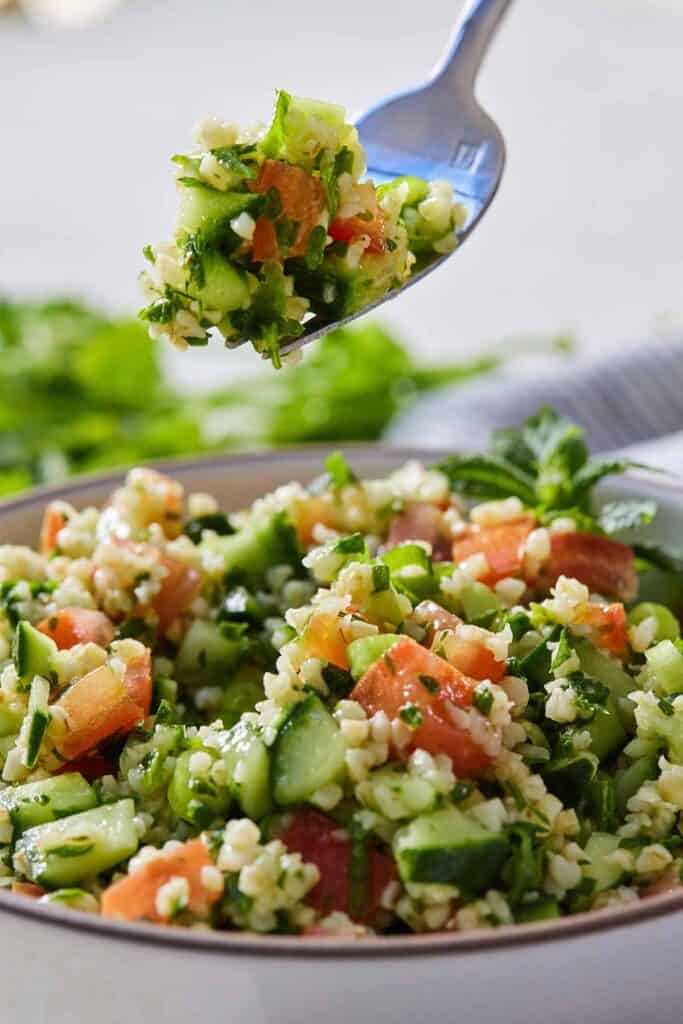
x,y
488,477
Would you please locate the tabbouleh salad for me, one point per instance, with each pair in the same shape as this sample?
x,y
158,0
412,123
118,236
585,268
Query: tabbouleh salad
x,y
277,225
429,702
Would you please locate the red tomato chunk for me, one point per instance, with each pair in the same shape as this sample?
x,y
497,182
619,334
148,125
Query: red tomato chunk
x,y
410,675
326,844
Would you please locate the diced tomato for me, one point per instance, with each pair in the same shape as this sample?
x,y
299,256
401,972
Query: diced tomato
x,y
471,658
322,842
34,892
96,708
133,898
503,546
475,660
324,639
419,521
90,766
302,198
178,589
71,626
608,627
138,680
431,614
53,521
350,229
409,674
311,512
605,566
264,247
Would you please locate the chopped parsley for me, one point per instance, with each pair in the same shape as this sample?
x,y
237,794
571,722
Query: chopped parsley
x,y
411,715
482,699
430,683
380,578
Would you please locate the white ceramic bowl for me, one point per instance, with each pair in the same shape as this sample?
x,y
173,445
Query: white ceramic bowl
x,y
614,967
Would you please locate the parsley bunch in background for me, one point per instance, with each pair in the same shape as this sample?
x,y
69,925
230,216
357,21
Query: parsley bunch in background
x,y
81,391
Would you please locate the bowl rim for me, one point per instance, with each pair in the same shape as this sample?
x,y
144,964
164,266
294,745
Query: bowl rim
x,y
296,947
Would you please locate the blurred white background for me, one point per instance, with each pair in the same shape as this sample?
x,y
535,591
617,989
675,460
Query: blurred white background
x,y
585,234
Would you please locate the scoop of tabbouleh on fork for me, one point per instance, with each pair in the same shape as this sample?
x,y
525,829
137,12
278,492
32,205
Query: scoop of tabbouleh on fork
x,y
276,226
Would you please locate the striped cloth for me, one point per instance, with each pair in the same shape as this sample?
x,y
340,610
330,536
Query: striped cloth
x,y
632,402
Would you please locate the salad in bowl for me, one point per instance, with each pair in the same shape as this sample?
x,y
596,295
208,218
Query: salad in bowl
x,y
429,702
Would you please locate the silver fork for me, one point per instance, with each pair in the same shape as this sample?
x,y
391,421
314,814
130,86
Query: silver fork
x,y
436,131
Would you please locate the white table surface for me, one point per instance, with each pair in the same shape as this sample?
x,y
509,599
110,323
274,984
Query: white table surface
x,y
585,234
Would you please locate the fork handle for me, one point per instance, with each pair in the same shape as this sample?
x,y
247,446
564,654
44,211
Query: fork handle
x,y
470,41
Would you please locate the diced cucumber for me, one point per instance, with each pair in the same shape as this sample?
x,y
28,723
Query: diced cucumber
x,y
295,132
605,876
416,189
535,666
600,805
308,752
384,609
145,759
663,671
7,743
609,672
449,847
207,211
605,729
62,853
242,693
223,286
38,718
475,601
668,626
396,794
34,653
337,290
196,799
34,803
265,542
479,602
627,781
609,725
365,651
10,720
209,653
411,571
247,761
567,777
331,113
407,555
74,899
